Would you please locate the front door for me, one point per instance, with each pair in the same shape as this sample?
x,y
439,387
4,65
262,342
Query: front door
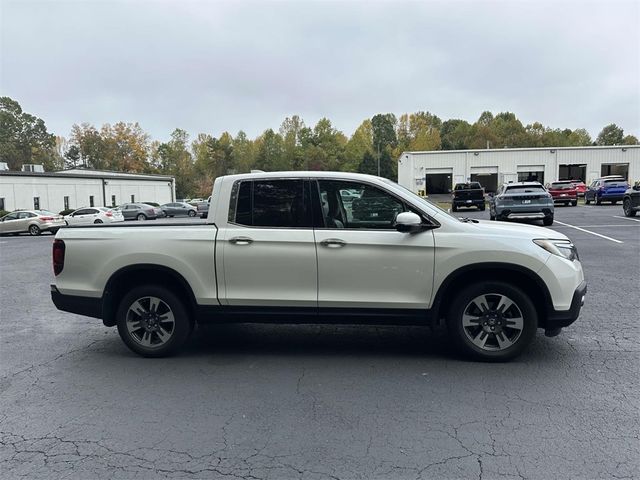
x,y
268,247
363,261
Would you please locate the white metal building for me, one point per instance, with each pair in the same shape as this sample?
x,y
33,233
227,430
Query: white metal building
x,y
436,171
57,191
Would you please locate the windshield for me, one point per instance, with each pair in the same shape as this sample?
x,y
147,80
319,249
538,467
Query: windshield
x,y
525,189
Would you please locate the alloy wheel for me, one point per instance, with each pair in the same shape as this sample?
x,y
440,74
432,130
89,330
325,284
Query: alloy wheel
x,y
492,322
150,322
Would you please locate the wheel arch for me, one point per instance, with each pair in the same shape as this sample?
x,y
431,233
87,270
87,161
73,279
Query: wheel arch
x,y
519,276
131,276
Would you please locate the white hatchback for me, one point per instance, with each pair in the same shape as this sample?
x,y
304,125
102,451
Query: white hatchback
x,y
91,215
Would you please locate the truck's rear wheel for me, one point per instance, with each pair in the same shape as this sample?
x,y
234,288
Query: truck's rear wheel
x,y
492,321
153,322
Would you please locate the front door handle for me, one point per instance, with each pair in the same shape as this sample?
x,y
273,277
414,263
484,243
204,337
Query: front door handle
x,y
241,240
333,243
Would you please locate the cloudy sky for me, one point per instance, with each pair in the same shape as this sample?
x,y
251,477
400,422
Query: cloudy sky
x,y
212,66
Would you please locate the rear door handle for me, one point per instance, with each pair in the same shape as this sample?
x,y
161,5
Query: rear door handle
x,y
241,240
333,243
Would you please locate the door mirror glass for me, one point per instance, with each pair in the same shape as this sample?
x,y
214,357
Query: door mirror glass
x,y
408,222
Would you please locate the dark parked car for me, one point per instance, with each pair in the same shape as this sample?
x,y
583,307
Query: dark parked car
x,y
470,194
564,191
140,211
631,201
202,208
522,201
179,209
606,189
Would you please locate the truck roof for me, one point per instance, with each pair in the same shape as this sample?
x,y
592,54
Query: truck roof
x,y
305,174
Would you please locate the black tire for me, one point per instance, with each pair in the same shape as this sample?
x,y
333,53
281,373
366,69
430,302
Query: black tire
x,y
598,200
574,203
34,230
491,215
587,201
179,333
548,221
192,213
524,314
628,211
481,207
141,216
97,221
614,202
454,208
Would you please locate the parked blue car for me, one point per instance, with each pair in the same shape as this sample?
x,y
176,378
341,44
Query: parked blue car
x,y
606,189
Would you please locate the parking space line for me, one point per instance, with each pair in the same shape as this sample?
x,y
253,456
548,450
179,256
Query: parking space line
x,y
628,218
627,225
588,231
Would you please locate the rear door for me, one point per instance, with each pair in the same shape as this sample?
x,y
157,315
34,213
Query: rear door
x,y
363,261
268,246
10,224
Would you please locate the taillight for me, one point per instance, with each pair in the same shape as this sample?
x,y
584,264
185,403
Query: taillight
x,y
58,256
109,213
46,219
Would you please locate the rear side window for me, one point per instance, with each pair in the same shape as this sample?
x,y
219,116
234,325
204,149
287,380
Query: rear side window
x,y
271,203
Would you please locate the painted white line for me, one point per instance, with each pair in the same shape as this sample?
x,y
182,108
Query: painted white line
x,y
628,218
588,231
628,225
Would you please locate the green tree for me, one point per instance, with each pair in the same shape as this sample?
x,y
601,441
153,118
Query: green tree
x,y
244,152
360,142
24,138
383,128
368,164
630,140
175,159
269,156
72,156
610,135
454,134
291,130
579,138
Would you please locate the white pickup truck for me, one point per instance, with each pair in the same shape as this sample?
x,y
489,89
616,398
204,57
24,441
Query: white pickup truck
x,y
321,247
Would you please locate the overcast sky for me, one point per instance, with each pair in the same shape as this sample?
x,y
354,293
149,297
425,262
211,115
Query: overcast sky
x,y
215,66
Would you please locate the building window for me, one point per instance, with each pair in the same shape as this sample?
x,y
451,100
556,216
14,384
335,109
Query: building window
x,y
133,199
91,201
36,203
113,200
66,203
1,203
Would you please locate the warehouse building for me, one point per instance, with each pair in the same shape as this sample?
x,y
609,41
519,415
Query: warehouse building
x,y
75,188
437,171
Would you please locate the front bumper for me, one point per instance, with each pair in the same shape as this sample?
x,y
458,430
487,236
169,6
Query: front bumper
x,y
563,318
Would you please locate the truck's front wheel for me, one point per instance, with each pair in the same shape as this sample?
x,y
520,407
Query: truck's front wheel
x,y
153,322
492,321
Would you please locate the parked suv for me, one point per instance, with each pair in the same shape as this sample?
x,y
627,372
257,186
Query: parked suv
x,y
631,201
606,189
565,192
522,201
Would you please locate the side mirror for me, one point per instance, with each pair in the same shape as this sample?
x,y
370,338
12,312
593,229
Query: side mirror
x,y
408,222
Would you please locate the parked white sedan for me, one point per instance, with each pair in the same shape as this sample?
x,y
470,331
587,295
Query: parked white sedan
x,y
89,215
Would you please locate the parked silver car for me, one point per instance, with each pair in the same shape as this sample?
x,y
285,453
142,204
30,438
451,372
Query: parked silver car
x,y
32,221
522,201
140,211
179,209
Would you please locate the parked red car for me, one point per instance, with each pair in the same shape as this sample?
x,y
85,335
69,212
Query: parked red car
x,y
581,187
564,191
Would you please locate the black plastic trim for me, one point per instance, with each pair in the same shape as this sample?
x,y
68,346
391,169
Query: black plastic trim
x,y
564,318
87,306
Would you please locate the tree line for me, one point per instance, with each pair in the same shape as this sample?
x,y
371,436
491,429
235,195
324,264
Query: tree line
x,y
373,147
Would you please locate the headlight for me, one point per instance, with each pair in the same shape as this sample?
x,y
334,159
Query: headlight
x,y
562,248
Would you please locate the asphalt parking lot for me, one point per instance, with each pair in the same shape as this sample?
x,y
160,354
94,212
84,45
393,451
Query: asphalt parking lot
x,y
317,402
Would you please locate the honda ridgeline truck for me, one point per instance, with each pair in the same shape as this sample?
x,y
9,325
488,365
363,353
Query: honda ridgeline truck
x,y
286,248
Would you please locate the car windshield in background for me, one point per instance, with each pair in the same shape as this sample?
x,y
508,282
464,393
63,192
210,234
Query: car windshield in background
x,y
468,186
526,189
562,186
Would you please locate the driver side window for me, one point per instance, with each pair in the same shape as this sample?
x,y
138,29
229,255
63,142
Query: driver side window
x,y
357,205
